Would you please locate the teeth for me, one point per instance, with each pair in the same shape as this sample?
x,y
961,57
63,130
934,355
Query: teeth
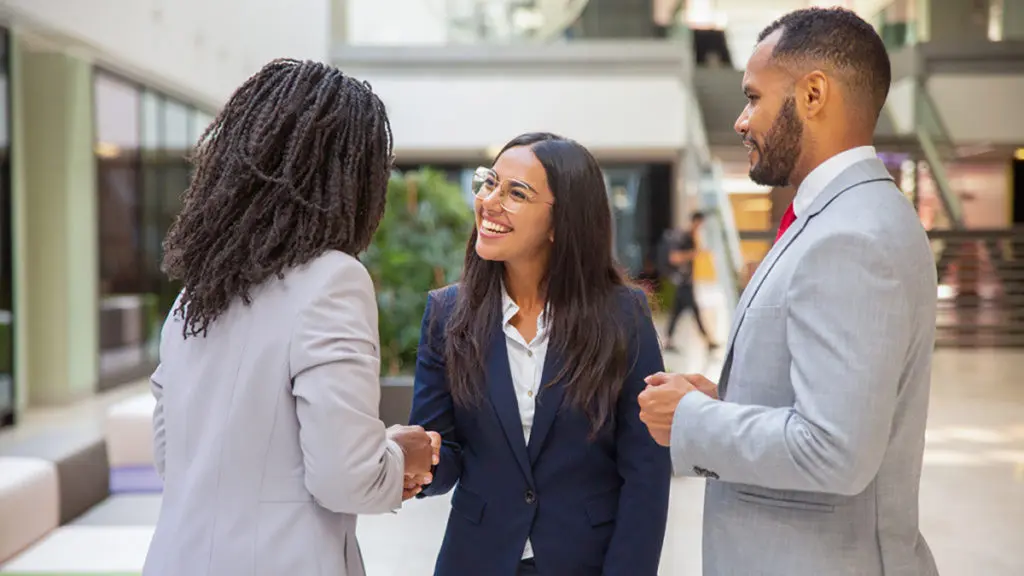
x,y
494,227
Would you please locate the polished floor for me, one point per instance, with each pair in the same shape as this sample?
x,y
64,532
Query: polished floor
x,y
972,489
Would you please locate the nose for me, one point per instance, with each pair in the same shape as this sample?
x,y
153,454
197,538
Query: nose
x,y
492,202
742,125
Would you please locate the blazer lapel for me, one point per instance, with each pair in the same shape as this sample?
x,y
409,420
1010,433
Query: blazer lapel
x,y
503,400
549,400
860,173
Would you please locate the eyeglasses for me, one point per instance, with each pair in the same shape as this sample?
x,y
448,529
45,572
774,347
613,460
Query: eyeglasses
x,y
513,194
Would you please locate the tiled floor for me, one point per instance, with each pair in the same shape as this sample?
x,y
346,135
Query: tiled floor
x,y
972,490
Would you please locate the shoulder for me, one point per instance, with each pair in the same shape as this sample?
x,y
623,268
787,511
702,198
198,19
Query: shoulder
x,y
331,284
632,302
443,298
331,272
877,218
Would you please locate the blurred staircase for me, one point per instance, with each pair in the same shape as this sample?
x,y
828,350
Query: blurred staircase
x,y
981,294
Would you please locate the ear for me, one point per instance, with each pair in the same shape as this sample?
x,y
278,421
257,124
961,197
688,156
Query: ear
x,y
814,91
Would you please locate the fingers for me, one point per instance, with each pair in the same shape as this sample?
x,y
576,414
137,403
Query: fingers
x,y
413,484
413,480
657,379
697,379
435,446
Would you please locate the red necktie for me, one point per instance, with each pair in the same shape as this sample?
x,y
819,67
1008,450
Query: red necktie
x,y
788,218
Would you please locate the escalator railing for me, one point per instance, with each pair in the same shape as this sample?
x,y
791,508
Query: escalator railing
x,y
721,235
933,136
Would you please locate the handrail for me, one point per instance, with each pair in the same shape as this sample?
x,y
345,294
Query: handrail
x,y
571,13
925,113
720,223
949,199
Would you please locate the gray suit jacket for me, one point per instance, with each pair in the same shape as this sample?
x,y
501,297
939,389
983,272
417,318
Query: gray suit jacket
x,y
267,434
814,454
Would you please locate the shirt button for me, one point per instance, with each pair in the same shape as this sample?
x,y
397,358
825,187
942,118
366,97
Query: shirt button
x,y
530,497
529,353
529,393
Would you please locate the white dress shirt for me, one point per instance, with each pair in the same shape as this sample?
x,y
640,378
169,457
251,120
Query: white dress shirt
x,y
526,361
825,173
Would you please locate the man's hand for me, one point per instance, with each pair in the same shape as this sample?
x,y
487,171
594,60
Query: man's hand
x,y
703,385
421,448
414,485
658,403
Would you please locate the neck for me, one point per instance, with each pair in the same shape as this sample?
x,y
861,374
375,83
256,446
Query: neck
x,y
823,149
523,282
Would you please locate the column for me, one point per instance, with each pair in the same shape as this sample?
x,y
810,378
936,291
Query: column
x,y
339,24
949,21
56,236
1013,20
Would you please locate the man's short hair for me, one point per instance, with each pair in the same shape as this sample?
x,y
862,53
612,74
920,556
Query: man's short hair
x,y
696,216
840,41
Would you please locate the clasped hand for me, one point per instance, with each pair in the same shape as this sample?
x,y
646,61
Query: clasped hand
x,y
659,400
422,450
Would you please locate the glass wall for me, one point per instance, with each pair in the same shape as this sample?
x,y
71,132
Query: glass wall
x,y
143,140
7,397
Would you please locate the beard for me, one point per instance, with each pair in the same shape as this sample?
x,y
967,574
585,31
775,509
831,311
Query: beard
x,y
778,156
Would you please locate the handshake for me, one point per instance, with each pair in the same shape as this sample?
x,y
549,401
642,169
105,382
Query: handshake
x,y
422,452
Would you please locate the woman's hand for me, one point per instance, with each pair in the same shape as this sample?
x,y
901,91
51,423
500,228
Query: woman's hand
x,y
414,482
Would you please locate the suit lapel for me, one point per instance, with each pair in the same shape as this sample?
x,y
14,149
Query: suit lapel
x,y
503,400
860,173
549,400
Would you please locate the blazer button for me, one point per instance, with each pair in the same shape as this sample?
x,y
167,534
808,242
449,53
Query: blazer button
x,y
530,497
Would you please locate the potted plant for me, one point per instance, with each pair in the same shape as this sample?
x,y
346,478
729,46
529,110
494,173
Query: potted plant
x,y
419,246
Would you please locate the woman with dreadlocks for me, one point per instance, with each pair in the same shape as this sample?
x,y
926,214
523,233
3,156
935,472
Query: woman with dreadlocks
x,y
266,428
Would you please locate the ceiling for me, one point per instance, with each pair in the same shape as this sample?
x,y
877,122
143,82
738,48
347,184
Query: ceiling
x,y
744,19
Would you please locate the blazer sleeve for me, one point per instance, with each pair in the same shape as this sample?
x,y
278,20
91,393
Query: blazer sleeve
x,y
432,405
847,331
645,467
156,386
159,432
350,464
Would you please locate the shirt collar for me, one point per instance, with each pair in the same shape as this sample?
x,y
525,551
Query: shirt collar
x,y
509,309
825,173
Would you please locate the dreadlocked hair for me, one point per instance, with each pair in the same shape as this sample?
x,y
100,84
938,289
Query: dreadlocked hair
x,y
296,164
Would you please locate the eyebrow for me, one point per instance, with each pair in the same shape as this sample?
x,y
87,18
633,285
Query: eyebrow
x,y
516,182
521,184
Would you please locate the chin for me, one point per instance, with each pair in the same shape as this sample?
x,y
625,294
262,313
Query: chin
x,y
486,252
760,177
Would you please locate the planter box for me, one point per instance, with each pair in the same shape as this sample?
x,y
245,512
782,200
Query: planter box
x,y
395,399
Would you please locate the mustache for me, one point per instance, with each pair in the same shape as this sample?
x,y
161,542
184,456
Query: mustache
x,y
751,142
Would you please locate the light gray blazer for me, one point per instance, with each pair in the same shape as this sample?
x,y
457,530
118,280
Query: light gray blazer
x,y
267,432
814,455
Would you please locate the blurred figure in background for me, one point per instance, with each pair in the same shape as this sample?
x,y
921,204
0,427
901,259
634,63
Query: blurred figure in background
x,y
266,432
679,249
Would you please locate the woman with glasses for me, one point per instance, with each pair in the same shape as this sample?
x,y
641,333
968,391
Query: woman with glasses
x,y
530,368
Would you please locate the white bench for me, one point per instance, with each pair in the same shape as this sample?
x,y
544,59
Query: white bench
x,y
129,435
29,503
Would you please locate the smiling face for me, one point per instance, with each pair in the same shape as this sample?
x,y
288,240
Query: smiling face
x,y
769,124
526,234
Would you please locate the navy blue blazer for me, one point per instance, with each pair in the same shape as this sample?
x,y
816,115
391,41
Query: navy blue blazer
x,y
589,506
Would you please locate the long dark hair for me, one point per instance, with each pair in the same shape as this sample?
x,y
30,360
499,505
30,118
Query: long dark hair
x,y
581,286
296,164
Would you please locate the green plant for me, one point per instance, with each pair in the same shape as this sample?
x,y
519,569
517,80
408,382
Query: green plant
x,y
419,246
